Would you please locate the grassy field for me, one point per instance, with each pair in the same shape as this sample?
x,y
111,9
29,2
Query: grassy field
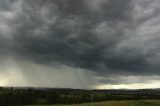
x,y
118,103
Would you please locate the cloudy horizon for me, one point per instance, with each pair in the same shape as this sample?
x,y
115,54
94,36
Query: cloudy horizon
x,y
86,44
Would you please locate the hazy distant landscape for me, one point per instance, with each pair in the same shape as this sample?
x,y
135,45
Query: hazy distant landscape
x,y
51,96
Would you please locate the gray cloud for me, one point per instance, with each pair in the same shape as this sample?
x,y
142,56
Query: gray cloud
x,y
105,37
72,30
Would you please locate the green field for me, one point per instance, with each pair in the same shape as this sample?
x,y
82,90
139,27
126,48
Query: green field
x,y
117,103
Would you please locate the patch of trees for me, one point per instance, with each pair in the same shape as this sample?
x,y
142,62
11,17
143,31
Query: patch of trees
x,y
19,97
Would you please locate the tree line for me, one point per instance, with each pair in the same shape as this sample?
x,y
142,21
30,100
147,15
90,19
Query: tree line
x,y
20,97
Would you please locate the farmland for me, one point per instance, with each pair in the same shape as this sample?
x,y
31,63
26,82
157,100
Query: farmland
x,y
117,103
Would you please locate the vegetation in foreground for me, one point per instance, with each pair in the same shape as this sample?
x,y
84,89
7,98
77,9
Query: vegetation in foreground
x,y
117,103
45,96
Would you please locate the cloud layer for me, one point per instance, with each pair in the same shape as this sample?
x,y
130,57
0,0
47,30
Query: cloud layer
x,y
105,38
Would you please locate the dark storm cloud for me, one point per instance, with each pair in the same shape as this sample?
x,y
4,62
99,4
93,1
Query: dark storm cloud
x,y
104,36
61,31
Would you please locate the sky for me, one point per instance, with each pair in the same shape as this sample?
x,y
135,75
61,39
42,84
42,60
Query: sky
x,y
86,44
